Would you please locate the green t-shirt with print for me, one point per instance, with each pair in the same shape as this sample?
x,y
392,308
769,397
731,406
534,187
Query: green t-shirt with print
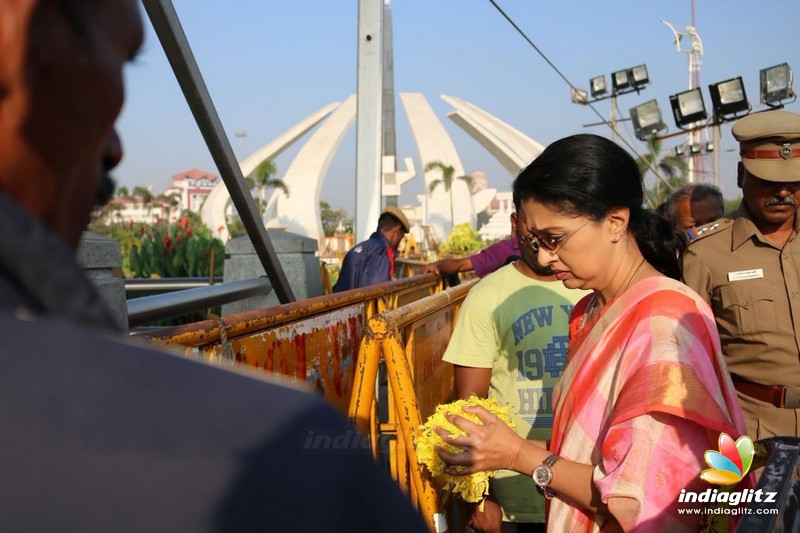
x,y
518,327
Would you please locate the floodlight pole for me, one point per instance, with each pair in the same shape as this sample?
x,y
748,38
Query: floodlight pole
x,y
695,54
717,149
614,117
715,127
582,99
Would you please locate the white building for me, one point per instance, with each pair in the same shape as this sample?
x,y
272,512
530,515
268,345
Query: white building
x,y
188,191
192,186
132,209
499,225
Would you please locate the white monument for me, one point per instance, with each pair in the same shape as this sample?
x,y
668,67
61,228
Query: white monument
x,y
299,212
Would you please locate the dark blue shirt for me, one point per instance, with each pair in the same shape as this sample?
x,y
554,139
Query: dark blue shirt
x,y
366,264
95,430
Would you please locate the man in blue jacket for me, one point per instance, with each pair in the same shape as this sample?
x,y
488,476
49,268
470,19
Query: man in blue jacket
x,y
372,261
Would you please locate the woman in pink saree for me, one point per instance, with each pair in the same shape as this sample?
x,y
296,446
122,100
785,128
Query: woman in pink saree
x,y
643,392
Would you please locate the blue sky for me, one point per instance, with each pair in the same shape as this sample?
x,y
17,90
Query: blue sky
x,y
268,64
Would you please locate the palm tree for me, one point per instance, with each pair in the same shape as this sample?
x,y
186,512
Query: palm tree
x,y
672,167
173,201
168,202
143,193
447,181
262,177
146,197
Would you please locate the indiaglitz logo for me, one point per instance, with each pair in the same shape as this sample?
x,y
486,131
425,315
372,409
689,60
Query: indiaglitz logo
x,y
731,463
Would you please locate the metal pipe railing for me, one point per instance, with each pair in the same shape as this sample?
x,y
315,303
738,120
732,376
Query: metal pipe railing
x,y
133,285
160,306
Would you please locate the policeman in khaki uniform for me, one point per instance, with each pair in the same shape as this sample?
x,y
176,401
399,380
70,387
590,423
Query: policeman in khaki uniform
x,y
746,265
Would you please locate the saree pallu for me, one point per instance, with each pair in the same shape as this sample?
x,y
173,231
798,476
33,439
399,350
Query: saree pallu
x,y
644,394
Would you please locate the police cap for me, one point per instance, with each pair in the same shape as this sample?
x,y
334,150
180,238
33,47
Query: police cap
x,y
769,145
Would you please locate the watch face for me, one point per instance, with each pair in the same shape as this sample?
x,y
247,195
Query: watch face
x,y
542,475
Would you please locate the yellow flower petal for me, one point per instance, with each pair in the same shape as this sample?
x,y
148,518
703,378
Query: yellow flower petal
x,y
474,487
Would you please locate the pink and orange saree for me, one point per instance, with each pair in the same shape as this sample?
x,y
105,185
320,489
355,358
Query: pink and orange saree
x,y
644,394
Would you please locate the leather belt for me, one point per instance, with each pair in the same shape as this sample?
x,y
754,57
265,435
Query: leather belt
x,y
778,395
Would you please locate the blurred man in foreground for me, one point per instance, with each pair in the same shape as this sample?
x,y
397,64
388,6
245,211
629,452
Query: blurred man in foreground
x,y
99,435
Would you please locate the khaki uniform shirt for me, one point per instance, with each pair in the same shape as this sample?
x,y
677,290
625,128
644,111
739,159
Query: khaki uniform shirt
x,y
753,288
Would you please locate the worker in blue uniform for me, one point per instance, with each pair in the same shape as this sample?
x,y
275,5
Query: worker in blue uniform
x,y
372,261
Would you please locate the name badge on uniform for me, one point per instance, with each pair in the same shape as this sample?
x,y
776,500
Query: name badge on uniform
x,y
746,274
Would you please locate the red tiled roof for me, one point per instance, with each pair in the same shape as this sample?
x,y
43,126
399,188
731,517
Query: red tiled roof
x,y
194,174
126,200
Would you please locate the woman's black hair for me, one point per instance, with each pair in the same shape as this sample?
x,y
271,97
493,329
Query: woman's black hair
x,y
588,175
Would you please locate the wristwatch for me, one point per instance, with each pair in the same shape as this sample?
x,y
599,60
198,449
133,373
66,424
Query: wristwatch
x,y
543,474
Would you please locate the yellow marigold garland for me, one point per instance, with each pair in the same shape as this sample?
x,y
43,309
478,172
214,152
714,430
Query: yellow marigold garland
x,y
474,487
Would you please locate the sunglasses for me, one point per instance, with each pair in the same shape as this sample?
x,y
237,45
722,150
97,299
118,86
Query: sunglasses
x,y
533,242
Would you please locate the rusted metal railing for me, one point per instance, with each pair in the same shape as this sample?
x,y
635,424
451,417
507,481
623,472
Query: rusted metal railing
x,y
410,341
314,341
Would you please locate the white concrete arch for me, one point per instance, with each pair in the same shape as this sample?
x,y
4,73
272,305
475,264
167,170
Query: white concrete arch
x,y
214,211
508,158
299,212
515,144
434,144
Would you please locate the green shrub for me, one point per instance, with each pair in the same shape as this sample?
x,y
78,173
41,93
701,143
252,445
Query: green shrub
x,y
463,240
183,249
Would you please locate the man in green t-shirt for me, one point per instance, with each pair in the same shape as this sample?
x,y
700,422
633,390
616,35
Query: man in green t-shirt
x,y
510,343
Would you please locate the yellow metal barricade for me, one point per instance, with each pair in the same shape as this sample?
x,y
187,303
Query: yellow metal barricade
x,y
314,341
410,341
408,267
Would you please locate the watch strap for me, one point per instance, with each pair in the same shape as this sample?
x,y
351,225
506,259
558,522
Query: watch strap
x,y
547,492
544,490
550,460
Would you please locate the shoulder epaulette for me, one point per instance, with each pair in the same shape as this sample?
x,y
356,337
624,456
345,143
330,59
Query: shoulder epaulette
x,y
711,228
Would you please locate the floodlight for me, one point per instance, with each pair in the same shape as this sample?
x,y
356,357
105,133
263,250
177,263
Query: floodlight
x,y
776,84
639,75
621,79
688,107
728,97
579,96
680,150
597,85
709,146
647,119
694,148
